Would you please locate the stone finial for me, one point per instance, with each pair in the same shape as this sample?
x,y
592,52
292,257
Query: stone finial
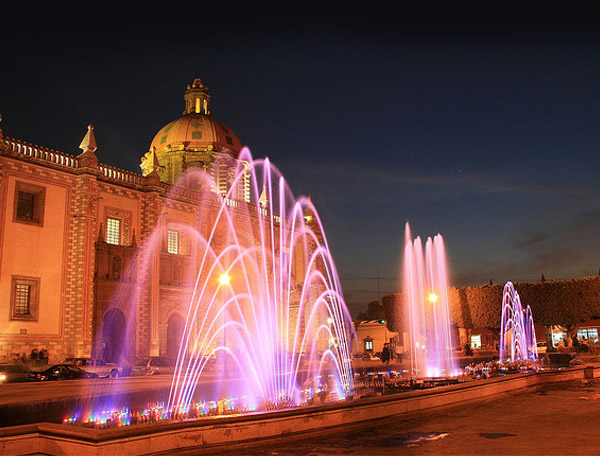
x,y
150,162
89,141
150,165
263,200
154,159
87,158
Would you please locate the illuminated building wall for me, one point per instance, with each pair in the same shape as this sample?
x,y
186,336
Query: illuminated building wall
x,y
70,225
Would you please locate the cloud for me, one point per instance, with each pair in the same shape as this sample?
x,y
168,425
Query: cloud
x,y
572,240
559,242
360,178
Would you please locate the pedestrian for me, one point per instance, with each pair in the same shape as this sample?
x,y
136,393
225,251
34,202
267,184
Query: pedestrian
x,y
43,356
468,349
385,354
575,343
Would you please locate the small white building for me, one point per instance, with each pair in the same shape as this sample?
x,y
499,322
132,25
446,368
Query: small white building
x,y
372,334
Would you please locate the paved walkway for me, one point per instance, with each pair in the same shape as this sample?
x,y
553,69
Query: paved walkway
x,y
561,418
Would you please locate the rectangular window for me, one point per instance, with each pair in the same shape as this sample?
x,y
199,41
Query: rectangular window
x,y
25,205
368,345
173,242
24,299
588,333
29,203
113,231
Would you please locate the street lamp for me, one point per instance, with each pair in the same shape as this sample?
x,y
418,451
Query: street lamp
x,y
432,297
224,279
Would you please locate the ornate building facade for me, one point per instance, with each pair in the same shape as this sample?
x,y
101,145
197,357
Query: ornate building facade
x,y
70,226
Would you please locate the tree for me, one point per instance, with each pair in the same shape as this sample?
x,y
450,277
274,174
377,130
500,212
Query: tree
x,y
374,312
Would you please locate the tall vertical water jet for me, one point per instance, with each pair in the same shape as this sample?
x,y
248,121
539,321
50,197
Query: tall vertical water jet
x,y
517,331
425,290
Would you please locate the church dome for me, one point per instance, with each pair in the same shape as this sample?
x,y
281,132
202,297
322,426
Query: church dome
x,y
194,140
196,129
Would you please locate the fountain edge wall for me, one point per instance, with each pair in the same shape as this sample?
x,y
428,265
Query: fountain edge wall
x,y
209,434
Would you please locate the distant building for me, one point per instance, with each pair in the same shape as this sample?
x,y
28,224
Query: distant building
x,y
372,334
70,225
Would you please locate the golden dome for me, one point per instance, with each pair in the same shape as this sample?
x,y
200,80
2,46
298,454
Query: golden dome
x,y
196,132
194,140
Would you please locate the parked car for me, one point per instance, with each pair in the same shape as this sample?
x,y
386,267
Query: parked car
x,y
10,373
371,357
60,372
96,366
155,365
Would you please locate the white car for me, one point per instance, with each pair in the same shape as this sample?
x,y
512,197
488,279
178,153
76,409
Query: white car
x,y
155,365
371,357
96,366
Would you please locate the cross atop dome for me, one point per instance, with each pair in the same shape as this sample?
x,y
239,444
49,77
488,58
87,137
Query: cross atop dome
x,y
196,98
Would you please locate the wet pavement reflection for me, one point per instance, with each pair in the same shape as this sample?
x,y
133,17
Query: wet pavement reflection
x,y
560,418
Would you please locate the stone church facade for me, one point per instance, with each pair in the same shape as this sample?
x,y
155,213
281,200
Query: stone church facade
x,y
70,226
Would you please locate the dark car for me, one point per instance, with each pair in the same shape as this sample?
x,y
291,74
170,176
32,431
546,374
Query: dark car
x,y
10,373
60,372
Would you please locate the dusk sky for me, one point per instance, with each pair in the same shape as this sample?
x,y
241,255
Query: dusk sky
x,y
492,140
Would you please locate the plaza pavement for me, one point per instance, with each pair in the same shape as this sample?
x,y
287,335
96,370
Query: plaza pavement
x,y
553,419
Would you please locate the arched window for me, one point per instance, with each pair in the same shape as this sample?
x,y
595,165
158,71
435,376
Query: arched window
x,y
175,328
116,267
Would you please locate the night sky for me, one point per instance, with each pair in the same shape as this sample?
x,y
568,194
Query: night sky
x,y
490,138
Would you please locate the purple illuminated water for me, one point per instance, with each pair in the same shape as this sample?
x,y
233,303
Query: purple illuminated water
x,y
262,302
517,332
267,302
425,289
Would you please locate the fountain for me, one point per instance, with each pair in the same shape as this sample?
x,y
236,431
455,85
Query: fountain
x,y
517,333
265,313
425,288
266,318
